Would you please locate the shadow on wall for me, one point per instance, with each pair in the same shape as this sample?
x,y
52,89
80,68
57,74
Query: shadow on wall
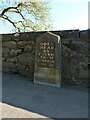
x,y
64,102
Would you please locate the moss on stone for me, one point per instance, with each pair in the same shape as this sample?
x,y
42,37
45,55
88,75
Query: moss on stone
x,y
48,75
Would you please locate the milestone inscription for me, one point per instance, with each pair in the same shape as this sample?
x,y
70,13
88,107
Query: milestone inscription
x,y
46,54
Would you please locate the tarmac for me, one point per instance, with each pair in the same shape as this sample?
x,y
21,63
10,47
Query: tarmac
x,y
21,98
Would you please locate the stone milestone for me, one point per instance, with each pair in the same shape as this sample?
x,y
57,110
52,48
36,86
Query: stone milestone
x,y
48,60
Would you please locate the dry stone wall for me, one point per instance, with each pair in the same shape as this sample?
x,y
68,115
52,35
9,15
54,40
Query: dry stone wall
x,y
18,55
75,57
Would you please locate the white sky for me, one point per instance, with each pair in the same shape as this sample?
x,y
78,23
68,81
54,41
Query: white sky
x,y
70,14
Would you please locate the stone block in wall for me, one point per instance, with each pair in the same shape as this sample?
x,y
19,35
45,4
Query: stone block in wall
x,y
0,51
28,49
26,70
67,52
89,34
84,35
89,59
88,49
25,36
6,37
29,36
10,44
75,48
83,74
24,44
12,60
66,34
15,37
0,64
66,71
15,52
69,41
3,59
9,67
0,40
26,59
5,52
74,69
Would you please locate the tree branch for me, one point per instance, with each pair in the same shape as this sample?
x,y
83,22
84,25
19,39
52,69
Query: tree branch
x,y
7,9
6,18
28,13
21,14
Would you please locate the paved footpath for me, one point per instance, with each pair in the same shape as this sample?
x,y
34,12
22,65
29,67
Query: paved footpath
x,y
9,111
23,99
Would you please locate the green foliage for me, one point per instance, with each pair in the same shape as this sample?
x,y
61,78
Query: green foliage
x,y
27,16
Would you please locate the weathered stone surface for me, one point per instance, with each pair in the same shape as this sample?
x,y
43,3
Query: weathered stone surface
x,y
5,52
26,70
13,60
15,52
29,36
9,67
73,64
0,40
47,68
3,59
28,49
83,74
6,37
26,59
70,34
89,35
9,44
67,51
24,44
84,35
0,67
0,51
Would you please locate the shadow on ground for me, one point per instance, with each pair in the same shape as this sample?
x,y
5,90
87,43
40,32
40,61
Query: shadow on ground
x,y
64,102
